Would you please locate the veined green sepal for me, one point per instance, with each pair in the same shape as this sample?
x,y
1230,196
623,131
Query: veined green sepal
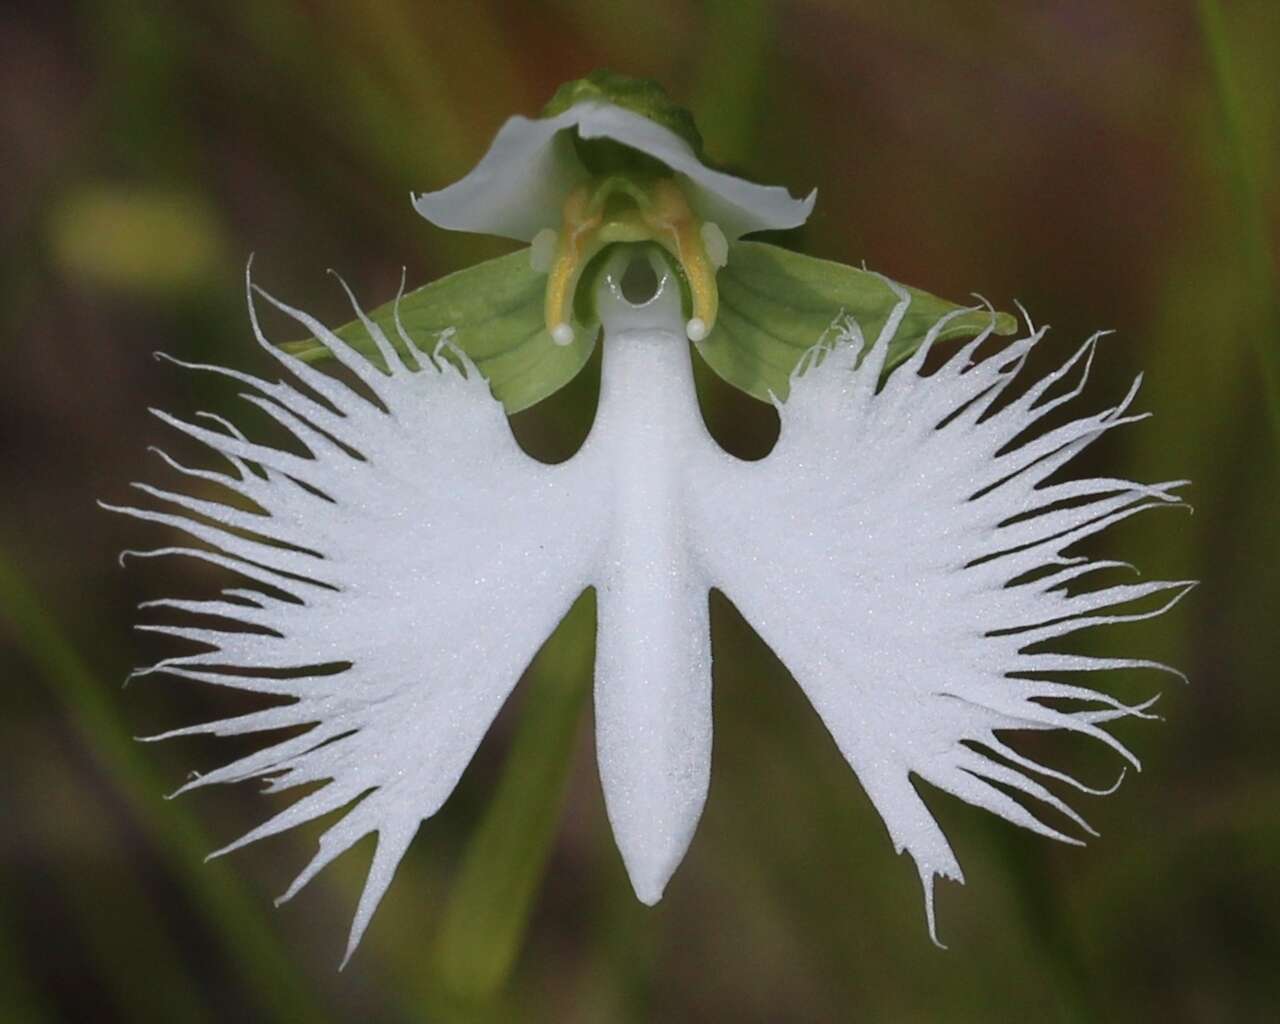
x,y
775,305
495,312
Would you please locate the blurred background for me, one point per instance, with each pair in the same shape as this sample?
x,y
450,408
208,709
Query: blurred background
x,y
1109,165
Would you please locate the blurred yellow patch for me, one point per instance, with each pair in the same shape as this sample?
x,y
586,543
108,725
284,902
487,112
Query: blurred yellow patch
x,y
136,239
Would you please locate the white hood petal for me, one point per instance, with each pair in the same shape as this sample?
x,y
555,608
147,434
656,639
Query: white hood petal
x,y
519,185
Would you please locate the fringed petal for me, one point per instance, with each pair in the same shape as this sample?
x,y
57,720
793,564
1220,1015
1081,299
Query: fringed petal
x,y
904,551
423,559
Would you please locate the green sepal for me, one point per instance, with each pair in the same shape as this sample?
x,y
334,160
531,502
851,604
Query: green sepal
x,y
775,305
642,96
496,312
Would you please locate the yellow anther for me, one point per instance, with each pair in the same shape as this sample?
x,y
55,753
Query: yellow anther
x,y
580,225
677,228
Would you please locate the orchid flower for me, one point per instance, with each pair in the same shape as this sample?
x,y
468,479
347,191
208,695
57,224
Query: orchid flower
x,y
906,548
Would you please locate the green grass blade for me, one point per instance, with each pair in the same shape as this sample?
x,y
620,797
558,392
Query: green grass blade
x,y
19,998
1250,212
733,75
229,912
484,925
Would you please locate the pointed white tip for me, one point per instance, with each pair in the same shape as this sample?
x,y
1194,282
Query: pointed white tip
x,y
649,890
652,859
696,329
562,334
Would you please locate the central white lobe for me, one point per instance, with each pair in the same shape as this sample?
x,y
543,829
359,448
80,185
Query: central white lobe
x,y
653,650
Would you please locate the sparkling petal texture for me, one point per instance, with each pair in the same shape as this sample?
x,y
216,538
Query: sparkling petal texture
x,y
415,543
905,550
653,649
518,187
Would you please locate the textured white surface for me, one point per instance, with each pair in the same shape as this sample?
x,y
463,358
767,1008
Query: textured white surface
x,y
901,550
653,648
518,187
905,555
435,561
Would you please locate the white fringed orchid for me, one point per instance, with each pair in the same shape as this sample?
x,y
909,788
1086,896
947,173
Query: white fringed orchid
x,y
906,549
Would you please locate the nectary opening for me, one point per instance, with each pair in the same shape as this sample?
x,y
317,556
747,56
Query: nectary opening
x,y
639,281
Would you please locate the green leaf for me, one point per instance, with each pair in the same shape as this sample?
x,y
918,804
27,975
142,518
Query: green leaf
x,y
491,900
775,305
496,312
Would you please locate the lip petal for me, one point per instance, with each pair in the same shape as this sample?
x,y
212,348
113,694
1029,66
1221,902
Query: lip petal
x,y
519,185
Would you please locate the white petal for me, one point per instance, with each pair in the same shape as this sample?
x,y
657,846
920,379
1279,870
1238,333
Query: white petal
x,y
893,551
519,186
415,561
653,659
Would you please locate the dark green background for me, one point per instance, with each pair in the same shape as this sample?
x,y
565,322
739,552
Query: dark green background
x,y
1110,165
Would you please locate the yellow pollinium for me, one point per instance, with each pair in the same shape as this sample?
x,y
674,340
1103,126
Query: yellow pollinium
x,y
617,209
